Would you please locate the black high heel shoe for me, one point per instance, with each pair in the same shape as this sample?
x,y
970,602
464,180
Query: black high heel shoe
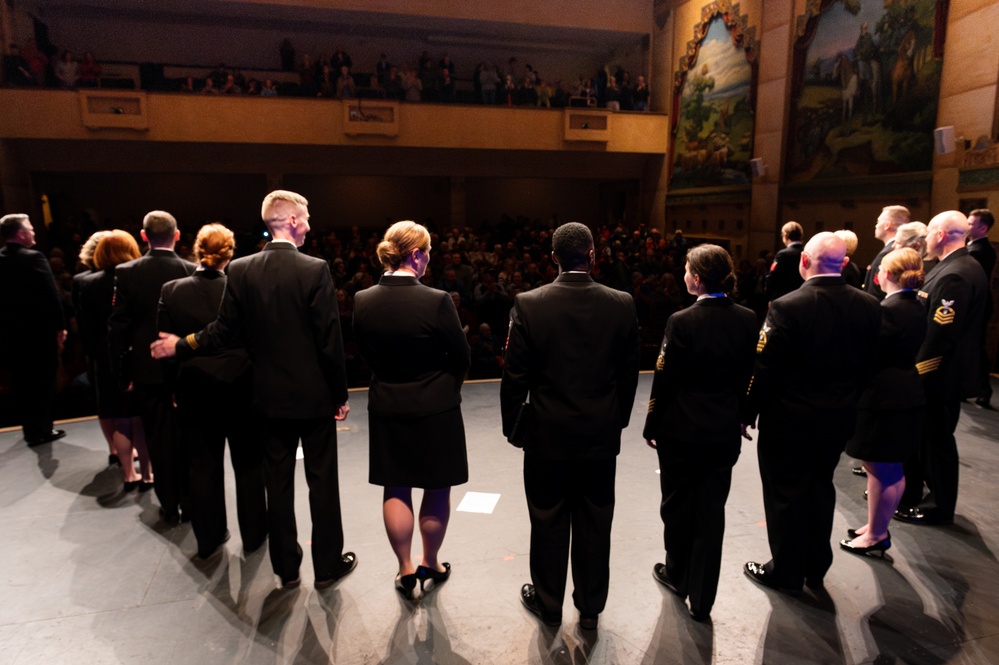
x,y
879,547
852,533
438,577
406,584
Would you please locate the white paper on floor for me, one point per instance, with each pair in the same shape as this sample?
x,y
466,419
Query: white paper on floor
x,y
478,502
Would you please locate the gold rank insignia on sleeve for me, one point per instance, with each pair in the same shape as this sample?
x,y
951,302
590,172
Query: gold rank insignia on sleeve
x,y
927,366
763,338
652,404
945,313
660,363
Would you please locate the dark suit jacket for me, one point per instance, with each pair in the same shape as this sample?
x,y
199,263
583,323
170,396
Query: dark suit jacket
x,y
283,305
30,310
573,347
187,305
701,378
132,326
896,383
95,293
411,338
816,349
955,295
872,272
784,275
852,276
982,251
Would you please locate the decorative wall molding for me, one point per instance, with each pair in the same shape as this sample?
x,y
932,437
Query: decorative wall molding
x,y
743,36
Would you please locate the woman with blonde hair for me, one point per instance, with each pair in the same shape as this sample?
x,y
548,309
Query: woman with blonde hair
x,y
213,392
411,338
851,271
889,411
115,410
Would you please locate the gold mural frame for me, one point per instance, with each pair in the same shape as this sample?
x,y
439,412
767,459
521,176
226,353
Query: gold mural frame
x,y
743,36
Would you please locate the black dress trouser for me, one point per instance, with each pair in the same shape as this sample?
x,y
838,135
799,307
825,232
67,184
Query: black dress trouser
x,y
570,500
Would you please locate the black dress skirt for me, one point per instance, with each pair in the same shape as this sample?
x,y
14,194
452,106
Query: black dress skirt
x,y
426,452
886,435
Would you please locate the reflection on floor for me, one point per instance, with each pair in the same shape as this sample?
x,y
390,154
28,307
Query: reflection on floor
x,y
90,576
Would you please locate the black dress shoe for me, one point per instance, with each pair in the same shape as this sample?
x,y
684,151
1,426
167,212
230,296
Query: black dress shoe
x,y
208,554
852,533
113,460
699,615
529,598
171,518
984,403
588,621
918,516
348,564
130,486
144,486
661,575
291,584
47,438
758,573
859,471
406,584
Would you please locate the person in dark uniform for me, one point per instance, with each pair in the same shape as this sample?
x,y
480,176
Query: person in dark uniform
x,y
889,220
815,350
411,338
282,303
212,392
783,276
889,413
32,327
980,248
954,295
114,407
569,381
701,376
851,271
131,329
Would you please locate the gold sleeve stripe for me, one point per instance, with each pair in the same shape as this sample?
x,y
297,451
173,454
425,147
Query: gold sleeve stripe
x,y
944,316
930,365
192,341
750,387
652,403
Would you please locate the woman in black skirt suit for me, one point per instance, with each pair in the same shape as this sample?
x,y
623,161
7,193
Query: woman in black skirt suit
x,y
115,409
701,376
213,394
888,417
410,337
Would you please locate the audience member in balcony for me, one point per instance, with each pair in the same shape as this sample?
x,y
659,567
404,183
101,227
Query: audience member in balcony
x,y
412,85
446,86
509,91
252,87
374,89
382,68
545,93
640,95
219,76
230,87
531,74
117,412
394,84
561,95
90,71
430,77
425,61
268,89
67,70
307,77
36,62
612,95
526,94
627,92
488,82
447,63
326,82
187,85
340,60
345,86
209,88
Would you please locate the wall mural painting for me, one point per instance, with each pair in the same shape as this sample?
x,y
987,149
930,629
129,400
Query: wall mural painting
x,y
713,116
864,89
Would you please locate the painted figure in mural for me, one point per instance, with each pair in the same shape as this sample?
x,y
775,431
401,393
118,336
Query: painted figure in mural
x,y
865,54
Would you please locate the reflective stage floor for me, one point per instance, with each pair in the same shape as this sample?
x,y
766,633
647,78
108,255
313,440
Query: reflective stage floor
x,y
90,576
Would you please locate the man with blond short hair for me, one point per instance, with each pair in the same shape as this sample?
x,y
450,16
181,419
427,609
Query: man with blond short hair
x,y
281,304
889,220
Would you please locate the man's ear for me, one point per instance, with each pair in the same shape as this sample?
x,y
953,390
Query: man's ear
x,y
142,234
176,235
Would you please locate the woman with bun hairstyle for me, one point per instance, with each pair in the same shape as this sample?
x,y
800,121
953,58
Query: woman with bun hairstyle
x,y
704,366
889,411
213,396
410,336
115,409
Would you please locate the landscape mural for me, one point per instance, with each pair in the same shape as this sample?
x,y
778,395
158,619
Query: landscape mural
x,y
869,86
714,134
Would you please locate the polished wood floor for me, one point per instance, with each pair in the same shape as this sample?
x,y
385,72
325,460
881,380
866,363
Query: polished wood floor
x,y
90,576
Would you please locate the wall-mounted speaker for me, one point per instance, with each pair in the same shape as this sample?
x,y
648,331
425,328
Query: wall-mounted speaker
x,y
943,140
757,167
